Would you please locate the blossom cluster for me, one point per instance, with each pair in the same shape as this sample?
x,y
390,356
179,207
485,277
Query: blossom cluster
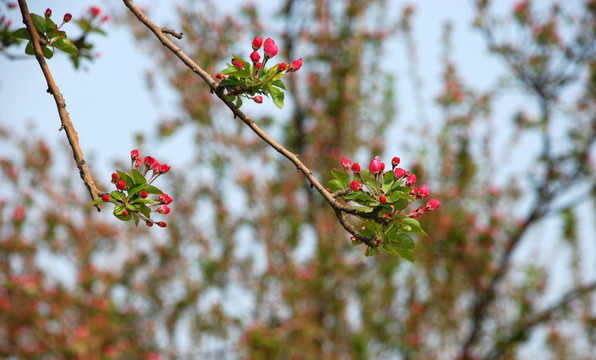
x,y
380,199
131,197
252,79
376,168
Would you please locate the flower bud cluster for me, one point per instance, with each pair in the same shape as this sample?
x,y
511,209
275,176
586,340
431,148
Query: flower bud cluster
x,y
132,195
381,187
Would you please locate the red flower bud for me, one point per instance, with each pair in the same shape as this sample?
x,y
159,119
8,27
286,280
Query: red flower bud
x,y
356,168
48,12
295,65
433,204
67,17
164,199
423,191
270,48
164,168
346,163
114,176
162,224
121,185
382,199
356,185
255,57
258,99
148,161
411,180
164,209
149,223
105,18
395,162
124,212
144,194
257,43
219,76
237,64
95,10
106,198
259,66
134,155
281,67
138,163
399,173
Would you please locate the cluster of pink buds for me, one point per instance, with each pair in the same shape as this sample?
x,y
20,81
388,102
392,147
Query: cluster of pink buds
x,y
96,11
132,191
380,184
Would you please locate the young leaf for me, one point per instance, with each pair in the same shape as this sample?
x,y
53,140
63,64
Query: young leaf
x,y
153,190
136,218
124,176
67,46
335,185
138,177
279,84
278,97
39,22
29,49
412,226
22,33
342,176
238,102
47,53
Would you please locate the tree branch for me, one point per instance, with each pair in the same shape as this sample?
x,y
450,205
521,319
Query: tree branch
x,y
213,84
71,134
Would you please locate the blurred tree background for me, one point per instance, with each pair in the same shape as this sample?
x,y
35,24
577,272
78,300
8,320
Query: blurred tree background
x,y
253,263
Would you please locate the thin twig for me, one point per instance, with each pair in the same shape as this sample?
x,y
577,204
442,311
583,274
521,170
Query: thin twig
x,y
236,111
71,134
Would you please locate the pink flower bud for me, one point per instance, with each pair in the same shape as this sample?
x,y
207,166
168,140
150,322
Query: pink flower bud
x,y
164,199
259,66
48,12
356,168
376,166
356,185
138,163
134,155
423,191
295,65
257,43
255,57
162,224
399,173
395,162
346,163
433,204
237,64
164,168
164,209
258,99
281,67
106,198
95,10
105,18
124,213
219,76
67,17
411,180
144,194
114,176
270,48
382,199
121,185
148,161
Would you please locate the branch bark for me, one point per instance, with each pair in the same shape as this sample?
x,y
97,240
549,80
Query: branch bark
x,y
213,85
71,134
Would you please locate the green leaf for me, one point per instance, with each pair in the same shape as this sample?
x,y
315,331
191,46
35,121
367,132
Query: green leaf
x,y
232,71
402,245
364,209
387,182
342,176
22,33
412,226
246,72
50,25
67,46
47,53
136,218
29,49
138,177
400,204
335,185
39,23
124,176
97,201
277,96
56,34
371,251
137,188
238,102
145,211
153,190
279,84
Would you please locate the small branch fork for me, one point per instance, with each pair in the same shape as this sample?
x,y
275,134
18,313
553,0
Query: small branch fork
x,y
71,134
340,209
